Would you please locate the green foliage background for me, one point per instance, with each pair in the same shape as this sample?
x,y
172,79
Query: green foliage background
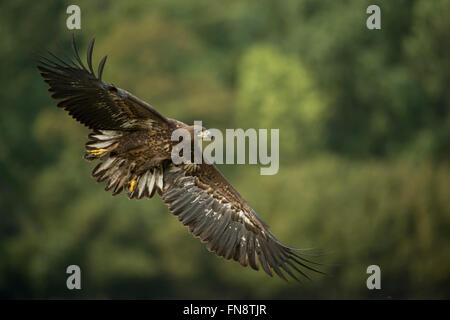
x,y
364,127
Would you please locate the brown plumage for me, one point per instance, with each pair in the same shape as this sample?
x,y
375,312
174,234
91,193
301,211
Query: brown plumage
x,y
133,143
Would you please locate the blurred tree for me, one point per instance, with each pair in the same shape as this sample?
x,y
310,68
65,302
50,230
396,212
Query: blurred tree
x,y
354,105
275,91
428,53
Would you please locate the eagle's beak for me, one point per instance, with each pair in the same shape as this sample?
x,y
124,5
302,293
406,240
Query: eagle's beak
x,y
205,135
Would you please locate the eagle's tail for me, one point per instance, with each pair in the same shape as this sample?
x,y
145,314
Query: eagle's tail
x,y
118,170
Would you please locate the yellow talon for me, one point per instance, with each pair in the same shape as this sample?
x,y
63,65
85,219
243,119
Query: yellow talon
x,y
132,184
97,152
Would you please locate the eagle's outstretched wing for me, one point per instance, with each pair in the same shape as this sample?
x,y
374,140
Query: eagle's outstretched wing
x,y
91,101
115,116
216,213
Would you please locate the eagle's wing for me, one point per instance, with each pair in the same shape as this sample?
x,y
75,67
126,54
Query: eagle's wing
x,y
91,101
216,213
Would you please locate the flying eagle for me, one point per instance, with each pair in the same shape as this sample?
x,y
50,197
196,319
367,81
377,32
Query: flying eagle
x,y
133,143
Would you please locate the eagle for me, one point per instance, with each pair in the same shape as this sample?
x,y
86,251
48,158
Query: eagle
x,y
132,143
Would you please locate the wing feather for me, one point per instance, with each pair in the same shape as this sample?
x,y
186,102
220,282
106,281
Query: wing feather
x,y
91,101
215,212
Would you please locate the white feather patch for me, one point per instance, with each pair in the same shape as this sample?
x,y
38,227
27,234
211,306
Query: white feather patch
x,y
244,218
101,144
142,183
151,184
159,178
105,165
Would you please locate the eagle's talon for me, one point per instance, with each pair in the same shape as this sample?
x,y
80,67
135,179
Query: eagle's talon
x,y
97,152
132,184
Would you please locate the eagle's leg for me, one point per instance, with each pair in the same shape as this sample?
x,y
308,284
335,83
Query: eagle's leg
x,y
145,181
101,151
97,152
132,184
